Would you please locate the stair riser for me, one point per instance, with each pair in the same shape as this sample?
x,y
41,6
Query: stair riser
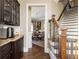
x,y
70,19
71,15
69,23
71,26
72,33
72,30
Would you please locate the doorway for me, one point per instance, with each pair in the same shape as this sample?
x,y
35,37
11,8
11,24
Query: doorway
x,y
36,29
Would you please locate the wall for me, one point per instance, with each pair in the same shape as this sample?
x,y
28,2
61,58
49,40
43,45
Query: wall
x,y
52,8
56,8
23,23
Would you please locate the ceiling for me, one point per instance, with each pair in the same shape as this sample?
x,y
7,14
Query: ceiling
x,y
38,12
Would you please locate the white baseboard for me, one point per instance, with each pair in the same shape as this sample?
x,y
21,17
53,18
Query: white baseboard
x,y
25,49
52,56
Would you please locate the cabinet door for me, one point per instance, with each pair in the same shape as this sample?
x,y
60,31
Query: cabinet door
x,y
13,12
5,51
20,47
0,12
17,49
7,12
16,13
0,53
7,56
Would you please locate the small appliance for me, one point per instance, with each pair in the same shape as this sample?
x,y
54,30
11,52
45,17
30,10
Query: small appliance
x,y
6,32
10,32
3,33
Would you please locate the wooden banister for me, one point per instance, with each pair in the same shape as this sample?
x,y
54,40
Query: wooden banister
x,y
62,44
54,21
61,39
62,12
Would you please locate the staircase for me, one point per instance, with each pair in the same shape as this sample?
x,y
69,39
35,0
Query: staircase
x,y
70,21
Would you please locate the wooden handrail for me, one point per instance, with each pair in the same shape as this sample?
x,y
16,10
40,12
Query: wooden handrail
x,y
62,12
62,38
56,22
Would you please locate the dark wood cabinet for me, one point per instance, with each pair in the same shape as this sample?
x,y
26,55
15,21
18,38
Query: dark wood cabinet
x,y
9,12
0,12
12,50
17,49
5,51
7,56
16,13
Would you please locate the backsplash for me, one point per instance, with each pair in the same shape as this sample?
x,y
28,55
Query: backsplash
x,y
17,29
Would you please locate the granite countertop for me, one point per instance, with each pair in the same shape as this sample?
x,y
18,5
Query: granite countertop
x,y
6,41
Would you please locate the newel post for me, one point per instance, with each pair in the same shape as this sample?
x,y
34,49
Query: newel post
x,y
62,43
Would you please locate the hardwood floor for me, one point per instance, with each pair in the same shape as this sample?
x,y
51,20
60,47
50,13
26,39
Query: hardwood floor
x,y
36,52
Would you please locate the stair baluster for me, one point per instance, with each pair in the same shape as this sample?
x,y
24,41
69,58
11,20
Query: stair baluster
x,y
59,41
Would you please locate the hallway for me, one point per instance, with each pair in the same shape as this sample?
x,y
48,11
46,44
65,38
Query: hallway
x,y
36,53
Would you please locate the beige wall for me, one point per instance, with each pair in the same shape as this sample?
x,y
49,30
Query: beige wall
x,y
23,22
52,8
56,8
